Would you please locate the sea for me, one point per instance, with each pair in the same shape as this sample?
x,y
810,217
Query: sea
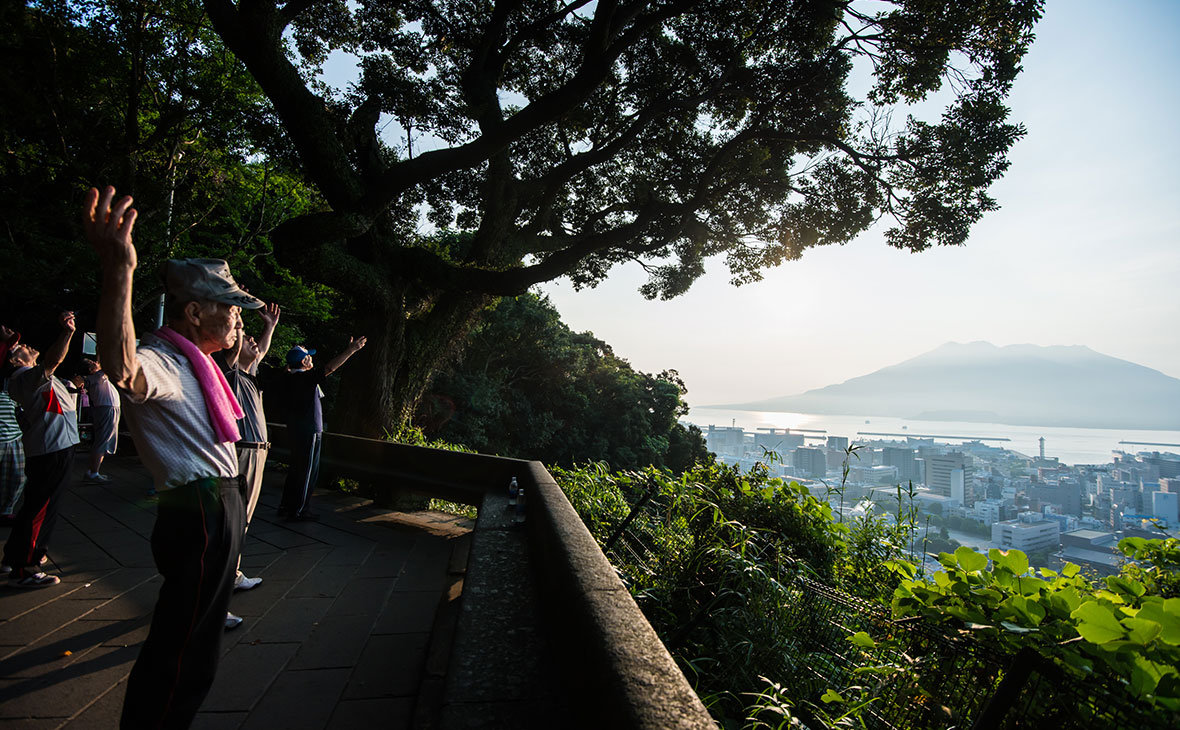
x,y
1069,445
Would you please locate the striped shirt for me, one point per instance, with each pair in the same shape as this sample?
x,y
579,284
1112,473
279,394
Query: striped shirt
x,y
170,422
9,426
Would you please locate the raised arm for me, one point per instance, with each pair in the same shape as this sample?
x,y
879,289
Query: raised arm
x,y
270,318
354,346
56,353
235,350
108,228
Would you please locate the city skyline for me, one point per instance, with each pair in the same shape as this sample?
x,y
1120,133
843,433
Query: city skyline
x,y
1082,251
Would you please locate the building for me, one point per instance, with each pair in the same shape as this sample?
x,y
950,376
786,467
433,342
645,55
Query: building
x,y
1164,507
1066,493
839,443
952,475
1030,532
904,460
989,511
872,474
810,462
1093,550
778,440
726,441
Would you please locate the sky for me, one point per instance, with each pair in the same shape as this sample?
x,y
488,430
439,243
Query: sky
x,y
1085,249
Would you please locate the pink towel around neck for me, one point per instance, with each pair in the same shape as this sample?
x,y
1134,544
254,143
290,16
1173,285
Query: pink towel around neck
x,y
224,409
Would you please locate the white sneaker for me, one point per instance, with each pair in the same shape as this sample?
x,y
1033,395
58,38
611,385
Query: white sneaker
x,y
93,476
242,583
232,621
33,580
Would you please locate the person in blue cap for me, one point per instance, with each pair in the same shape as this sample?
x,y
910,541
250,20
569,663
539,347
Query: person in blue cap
x,y
305,426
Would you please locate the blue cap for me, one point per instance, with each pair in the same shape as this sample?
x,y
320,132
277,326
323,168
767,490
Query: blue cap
x,y
296,354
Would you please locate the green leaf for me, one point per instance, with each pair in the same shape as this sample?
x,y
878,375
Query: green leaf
x,y
969,560
1145,675
1070,570
1014,561
831,696
1166,613
1097,623
862,640
1125,586
1142,631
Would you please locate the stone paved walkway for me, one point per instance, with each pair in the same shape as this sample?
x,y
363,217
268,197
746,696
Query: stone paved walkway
x,y
345,630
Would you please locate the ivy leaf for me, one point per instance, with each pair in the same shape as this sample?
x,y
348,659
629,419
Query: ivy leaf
x,y
862,640
831,696
1070,570
1097,623
969,560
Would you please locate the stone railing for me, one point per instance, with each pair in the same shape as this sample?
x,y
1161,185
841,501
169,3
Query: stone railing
x,y
547,635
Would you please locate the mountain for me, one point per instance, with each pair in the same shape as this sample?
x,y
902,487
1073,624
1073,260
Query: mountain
x,y
1018,385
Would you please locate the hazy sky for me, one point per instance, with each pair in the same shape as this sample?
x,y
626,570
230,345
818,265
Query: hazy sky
x,y
1083,252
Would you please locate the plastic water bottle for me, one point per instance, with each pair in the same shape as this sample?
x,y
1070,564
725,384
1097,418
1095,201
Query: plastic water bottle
x,y
520,504
513,491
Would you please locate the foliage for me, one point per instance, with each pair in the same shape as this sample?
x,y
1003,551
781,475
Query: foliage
x,y
1123,629
527,386
140,94
709,556
715,556
560,140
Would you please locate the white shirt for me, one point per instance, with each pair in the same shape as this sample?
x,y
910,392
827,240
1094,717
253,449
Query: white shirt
x,y
170,421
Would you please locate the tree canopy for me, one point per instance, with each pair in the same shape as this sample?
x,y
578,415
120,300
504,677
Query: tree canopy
x,y
487,146
527,386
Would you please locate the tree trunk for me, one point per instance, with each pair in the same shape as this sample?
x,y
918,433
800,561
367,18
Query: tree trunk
x,y
381,389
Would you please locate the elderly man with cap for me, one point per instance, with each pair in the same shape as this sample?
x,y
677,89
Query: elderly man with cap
x,y
50,424
305,425
182,415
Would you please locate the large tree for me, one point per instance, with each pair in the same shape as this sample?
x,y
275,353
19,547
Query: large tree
x,y
528,386
567,137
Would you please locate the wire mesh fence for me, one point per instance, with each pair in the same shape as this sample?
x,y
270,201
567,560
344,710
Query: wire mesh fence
x,y
914,675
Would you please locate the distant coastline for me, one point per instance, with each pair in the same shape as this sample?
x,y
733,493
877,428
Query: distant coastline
x,y
1070,444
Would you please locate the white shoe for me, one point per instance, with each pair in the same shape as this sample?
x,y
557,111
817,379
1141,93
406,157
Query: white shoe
x,y
242,583
232,621
93,476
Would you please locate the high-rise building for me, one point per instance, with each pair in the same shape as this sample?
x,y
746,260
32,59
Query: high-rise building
x,y
838,442
811,462
780,441
1165,506
952,475
726,441
904,460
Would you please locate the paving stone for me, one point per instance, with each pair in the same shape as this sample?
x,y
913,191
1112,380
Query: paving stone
x,y
260,599
407,612
78,637
322,580
245,673
393,713
337,641
299,701
294,564
48,617
291,620
16,603
104,712
25,723
387,561
133,603
219,720
362,597
390,666
71,689
110,584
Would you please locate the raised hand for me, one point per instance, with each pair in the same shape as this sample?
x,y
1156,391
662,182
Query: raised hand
x,y
6,334
356,344
108,227
270,314
66,320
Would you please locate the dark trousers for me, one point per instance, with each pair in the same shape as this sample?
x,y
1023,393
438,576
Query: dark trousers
x,y
196,541
304,471
47,476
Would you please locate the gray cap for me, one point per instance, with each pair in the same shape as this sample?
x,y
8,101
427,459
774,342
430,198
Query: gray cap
x,y
205,280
